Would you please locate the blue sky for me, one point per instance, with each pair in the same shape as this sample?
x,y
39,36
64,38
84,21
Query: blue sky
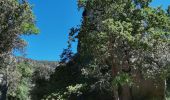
x,y
54,19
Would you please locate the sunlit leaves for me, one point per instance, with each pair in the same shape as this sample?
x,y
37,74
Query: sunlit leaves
x,y
16,19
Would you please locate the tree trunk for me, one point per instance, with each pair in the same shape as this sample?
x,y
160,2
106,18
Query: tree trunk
x,y
4,93
4,89
125,92
115,88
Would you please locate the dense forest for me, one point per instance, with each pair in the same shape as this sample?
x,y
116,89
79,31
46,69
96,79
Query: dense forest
x,y
123,53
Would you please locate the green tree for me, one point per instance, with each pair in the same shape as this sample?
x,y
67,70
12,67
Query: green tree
x,y
120,37
119,41
16,19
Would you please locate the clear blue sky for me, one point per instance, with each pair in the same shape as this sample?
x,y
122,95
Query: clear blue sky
x,y
54,19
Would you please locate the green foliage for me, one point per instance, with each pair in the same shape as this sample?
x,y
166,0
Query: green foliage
x,y
28,80
125,31
25,69
22,90
60,81
68,93
16,19
122,79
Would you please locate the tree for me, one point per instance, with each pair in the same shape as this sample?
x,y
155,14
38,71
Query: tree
x,y
16,20
120,40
